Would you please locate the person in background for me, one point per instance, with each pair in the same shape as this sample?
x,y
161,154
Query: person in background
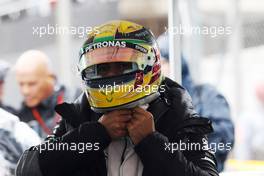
x,y
40,90
251,140
256,126
15,137
4,68
208,102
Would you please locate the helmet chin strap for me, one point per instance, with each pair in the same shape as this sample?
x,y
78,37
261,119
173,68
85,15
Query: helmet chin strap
x,y
134,104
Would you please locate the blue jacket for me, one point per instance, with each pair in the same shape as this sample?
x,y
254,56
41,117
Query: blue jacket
x,y
208,102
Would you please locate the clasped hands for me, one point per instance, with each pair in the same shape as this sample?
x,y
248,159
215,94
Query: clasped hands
x,y
137,123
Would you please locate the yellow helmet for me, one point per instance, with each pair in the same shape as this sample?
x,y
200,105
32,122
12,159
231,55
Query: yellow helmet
x,y
120,66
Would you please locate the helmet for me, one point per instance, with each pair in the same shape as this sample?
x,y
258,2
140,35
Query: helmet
x,y
120,66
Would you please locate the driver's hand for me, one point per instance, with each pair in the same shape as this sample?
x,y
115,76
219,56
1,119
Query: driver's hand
x,y
141,125
115,122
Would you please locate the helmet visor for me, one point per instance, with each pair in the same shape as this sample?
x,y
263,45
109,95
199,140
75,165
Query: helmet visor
x,y
106,70
94,62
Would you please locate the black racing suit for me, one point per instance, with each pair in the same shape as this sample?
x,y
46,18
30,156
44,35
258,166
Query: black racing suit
x,y
175,122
